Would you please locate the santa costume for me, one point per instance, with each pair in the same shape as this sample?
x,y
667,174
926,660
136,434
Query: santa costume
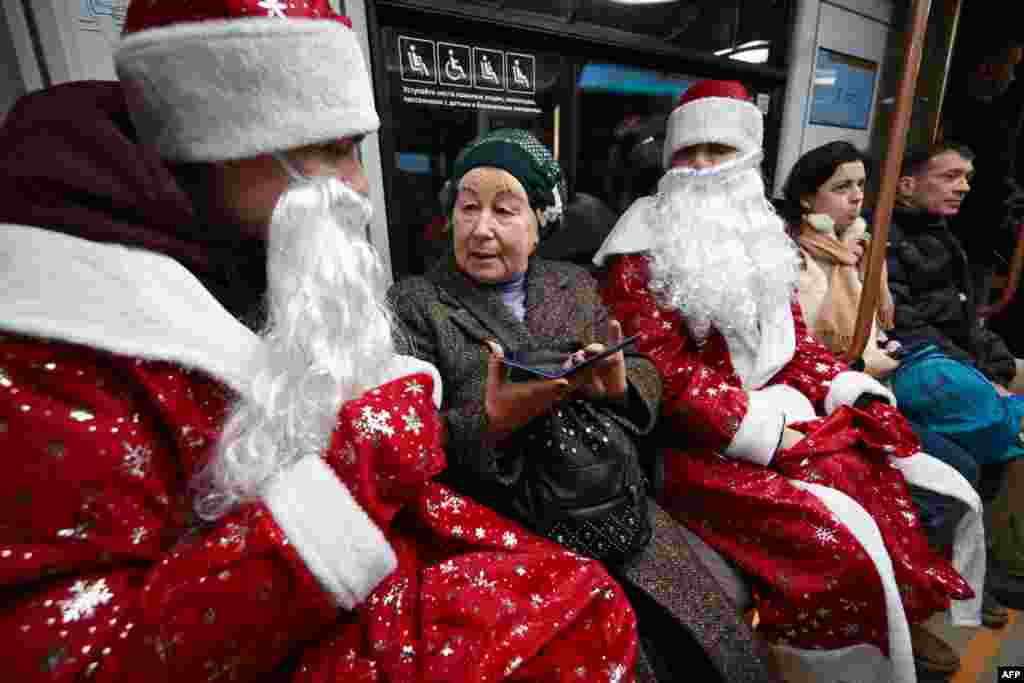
x,y
825,530
119,371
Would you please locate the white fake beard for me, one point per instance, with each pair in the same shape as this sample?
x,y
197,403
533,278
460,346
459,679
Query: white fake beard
x,y
721,256
328,338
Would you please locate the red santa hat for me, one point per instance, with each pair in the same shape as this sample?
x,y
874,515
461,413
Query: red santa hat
x,y
714,111
212,80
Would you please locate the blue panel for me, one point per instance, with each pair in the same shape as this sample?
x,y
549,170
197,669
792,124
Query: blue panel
x,y
627,80
844,88
413,163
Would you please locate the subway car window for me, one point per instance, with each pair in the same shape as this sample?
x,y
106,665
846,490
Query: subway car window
x,y
623,110
444,92
747,30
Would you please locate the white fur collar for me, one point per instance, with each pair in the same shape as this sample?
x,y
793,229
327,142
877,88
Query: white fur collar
x,y
130,302
126,301
777,347
632,233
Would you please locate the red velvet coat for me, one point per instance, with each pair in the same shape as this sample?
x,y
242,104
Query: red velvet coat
x,y
812,581
108,575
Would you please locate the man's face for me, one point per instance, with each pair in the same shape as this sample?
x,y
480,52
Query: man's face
x,y
245,191
703,156
940,187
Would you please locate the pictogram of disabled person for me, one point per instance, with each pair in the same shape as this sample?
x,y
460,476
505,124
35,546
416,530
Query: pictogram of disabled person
x,y
487,70
518,76
452,69
416,62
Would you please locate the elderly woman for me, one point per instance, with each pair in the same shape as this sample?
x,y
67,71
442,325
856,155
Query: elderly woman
x,y
955,411
491,297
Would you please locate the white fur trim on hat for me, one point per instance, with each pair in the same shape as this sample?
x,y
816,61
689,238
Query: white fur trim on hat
x,y
238,88
723,120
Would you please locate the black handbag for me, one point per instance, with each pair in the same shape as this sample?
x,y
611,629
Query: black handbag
x,y
582,484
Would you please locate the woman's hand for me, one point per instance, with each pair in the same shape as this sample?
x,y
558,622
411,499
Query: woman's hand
x,y
859,247
511,405
606,378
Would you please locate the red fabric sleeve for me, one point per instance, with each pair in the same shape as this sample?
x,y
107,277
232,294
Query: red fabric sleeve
x,y
387,444
813,366
106,571
704,399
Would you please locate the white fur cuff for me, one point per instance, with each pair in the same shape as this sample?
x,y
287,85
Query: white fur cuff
x,y
759,432
402,366
794,405
848,386
336,539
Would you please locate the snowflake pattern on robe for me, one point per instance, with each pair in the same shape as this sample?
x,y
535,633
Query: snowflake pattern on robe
x,y
275,8
372,424
85,597
136,459
776,531
123,430
413,423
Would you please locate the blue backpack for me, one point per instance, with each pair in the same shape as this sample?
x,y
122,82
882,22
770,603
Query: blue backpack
x,y
956,400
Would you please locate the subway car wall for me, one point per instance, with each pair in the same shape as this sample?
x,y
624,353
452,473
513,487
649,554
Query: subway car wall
x,y
594,80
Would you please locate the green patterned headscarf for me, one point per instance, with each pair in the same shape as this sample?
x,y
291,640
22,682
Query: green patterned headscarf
x,y
522,155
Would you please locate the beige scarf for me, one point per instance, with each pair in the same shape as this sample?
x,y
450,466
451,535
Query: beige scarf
x,y
837,314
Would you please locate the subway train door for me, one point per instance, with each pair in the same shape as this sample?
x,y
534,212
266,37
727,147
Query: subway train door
x,y
443,89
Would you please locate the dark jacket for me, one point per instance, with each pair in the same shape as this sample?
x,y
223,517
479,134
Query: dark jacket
x,y
438,324
935,300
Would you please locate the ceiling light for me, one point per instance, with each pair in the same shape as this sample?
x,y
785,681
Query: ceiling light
x,y
755,56
745,46
642,2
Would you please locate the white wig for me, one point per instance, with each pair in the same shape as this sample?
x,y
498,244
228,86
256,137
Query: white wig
x,y
722,256
327,340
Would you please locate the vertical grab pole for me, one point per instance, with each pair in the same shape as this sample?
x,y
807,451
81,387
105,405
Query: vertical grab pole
x,y
913,45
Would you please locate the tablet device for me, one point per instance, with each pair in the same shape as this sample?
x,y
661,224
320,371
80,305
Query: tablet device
x,y
548,365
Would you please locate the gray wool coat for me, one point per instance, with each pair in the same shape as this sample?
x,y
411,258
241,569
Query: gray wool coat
x,y
446,318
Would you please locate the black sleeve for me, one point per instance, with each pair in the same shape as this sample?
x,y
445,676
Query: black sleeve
x,y
911,323
992,357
